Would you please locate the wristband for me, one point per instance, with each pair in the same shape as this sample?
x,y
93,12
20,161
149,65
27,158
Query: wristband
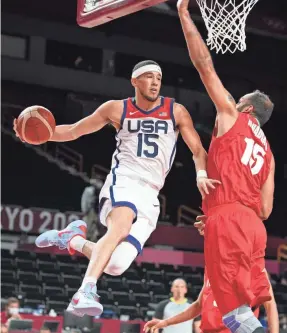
x,y
201,174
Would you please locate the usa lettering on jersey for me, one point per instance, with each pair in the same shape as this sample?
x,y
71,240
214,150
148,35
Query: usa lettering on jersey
x,y
147,126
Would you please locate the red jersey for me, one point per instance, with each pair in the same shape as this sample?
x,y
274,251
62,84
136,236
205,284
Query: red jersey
x,y
211,318
241,160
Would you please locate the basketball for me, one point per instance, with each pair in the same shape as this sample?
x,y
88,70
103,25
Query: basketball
x,y
36,125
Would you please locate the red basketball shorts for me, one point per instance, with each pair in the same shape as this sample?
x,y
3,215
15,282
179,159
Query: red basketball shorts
x,y
234,250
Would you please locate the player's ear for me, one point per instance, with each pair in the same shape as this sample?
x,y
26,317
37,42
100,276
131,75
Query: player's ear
x,y
250,109
134,82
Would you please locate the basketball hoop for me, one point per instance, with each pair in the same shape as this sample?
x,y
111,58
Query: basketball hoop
x,y
225,21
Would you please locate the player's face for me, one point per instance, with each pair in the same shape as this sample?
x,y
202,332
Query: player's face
x,y
148,85
179,288
243,104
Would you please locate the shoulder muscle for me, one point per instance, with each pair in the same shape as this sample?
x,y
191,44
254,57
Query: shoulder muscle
x,y
181,115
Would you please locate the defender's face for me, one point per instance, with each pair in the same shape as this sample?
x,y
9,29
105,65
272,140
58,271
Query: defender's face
x,y
149,84
243,104
179,288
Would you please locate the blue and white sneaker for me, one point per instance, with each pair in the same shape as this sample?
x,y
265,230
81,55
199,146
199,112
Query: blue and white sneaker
x,y
62,238
85,301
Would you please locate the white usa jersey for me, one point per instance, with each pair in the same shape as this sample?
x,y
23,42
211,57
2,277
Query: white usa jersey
x,y
146,143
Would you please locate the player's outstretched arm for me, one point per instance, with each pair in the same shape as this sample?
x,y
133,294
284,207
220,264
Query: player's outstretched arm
x,y
190,313
190,136
271,311
201,58
267,193
87,125
192,140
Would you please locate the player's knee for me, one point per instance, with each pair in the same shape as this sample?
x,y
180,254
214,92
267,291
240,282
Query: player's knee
x,y
115,268
121,259
242,320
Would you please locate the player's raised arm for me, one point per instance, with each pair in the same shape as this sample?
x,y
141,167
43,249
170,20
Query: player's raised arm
x,y
202,61
192,140
267,193
87,125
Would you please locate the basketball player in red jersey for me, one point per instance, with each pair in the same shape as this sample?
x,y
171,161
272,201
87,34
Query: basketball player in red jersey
x,y
206,306
240,157
147,130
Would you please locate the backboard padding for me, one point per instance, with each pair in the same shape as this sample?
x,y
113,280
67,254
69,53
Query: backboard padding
x,y
102,11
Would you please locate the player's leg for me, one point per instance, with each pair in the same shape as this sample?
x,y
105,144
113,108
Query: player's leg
x,y
147,212
121,259
74,239
260,284
229,238
119,223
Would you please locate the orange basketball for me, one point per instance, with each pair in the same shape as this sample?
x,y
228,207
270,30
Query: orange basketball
x,y
36,125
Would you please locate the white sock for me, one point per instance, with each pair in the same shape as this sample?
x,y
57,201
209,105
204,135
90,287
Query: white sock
x,y
87,280
77,243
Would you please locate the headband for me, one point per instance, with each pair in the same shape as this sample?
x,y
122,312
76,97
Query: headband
x,y
146,68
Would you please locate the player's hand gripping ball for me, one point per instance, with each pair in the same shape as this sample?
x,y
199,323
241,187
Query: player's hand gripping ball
x,y
35,125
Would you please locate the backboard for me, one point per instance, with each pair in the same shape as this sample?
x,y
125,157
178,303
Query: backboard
x,y
91,13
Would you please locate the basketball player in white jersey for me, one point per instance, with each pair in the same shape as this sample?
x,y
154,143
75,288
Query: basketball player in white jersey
x,y
147,129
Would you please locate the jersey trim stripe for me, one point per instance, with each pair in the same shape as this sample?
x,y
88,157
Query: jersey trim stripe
x,y
117,162
171,113
124,112
131,239
150,111
120,203
172,155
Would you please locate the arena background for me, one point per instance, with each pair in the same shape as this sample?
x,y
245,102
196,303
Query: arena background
x,y
47,59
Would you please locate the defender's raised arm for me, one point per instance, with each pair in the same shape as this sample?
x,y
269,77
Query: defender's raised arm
x,y
202,61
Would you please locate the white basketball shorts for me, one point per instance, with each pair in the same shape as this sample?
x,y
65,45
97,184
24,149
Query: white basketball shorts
x,y
140,197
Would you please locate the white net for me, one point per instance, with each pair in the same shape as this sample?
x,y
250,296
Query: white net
x,y
225,21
